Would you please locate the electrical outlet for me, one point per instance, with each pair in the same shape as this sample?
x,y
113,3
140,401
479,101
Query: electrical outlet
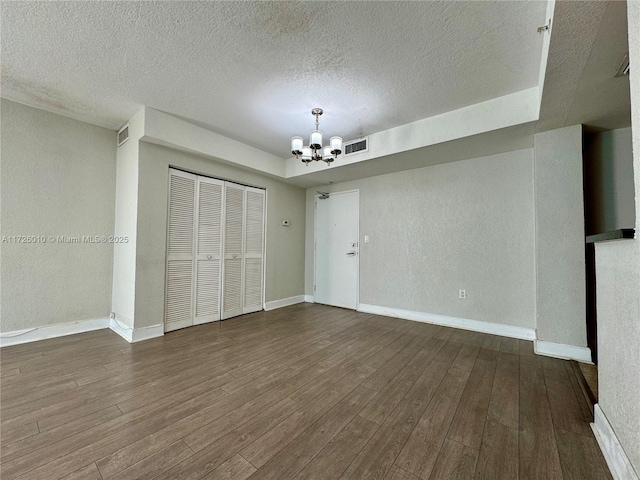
x,y
462,294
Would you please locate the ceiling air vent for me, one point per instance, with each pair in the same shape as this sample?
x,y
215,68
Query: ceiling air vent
x,y
123,134
356,146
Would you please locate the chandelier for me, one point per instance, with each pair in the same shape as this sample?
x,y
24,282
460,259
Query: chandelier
x,y
315,151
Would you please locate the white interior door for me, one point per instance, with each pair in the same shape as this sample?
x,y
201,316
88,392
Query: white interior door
x,y
337,253
180,239
208,258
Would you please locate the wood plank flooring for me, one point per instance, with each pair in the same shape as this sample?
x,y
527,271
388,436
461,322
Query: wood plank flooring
x,y
305,392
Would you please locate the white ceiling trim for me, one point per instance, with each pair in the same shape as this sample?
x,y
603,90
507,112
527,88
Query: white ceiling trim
x,y
499,113
502,112
169,131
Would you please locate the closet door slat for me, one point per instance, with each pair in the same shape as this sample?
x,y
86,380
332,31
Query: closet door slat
x,y
207,291
252,285
179,285
254,222
209,217
181,209
232,287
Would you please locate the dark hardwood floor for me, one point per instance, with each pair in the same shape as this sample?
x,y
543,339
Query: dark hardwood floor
x,y
304,392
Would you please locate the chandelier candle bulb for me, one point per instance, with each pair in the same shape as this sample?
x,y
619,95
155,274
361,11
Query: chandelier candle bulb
x,y
296,145
316,140
336,145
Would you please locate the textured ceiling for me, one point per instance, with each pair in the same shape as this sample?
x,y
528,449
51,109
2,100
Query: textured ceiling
x,y
252,71
602,100
588,43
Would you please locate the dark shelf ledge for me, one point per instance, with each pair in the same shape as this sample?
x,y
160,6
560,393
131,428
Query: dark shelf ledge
x,y
621,234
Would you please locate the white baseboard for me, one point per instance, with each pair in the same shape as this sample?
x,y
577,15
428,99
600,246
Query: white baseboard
x,y
51,331
455,322
309,299
136,335
559,350
617,460
284,302
145,333
122,330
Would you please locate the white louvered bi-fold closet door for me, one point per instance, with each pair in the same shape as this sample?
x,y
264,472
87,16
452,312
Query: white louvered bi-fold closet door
x,y
253,250
180,249
215,250
208,250
233,250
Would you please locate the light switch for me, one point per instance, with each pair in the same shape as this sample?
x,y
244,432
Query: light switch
x,y
366,239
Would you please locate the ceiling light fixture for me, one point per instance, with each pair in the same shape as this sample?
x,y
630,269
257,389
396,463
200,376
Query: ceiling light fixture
x,y
315,151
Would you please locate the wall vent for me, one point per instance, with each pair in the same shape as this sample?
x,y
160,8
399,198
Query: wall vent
x,y
356,146
123,134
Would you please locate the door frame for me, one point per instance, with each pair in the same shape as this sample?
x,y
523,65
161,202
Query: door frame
x,y
315,241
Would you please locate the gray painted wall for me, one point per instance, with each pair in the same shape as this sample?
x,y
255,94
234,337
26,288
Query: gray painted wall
x,y
284,245
560,260
58,178
436,230
608,181
618,273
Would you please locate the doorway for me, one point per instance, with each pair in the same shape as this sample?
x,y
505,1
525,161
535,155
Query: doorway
x,y
337,249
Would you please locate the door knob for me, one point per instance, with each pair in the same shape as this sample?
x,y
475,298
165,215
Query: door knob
x,y
351,254
209,257
234,255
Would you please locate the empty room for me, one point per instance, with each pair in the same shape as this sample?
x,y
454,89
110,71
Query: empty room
x,y
320,240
